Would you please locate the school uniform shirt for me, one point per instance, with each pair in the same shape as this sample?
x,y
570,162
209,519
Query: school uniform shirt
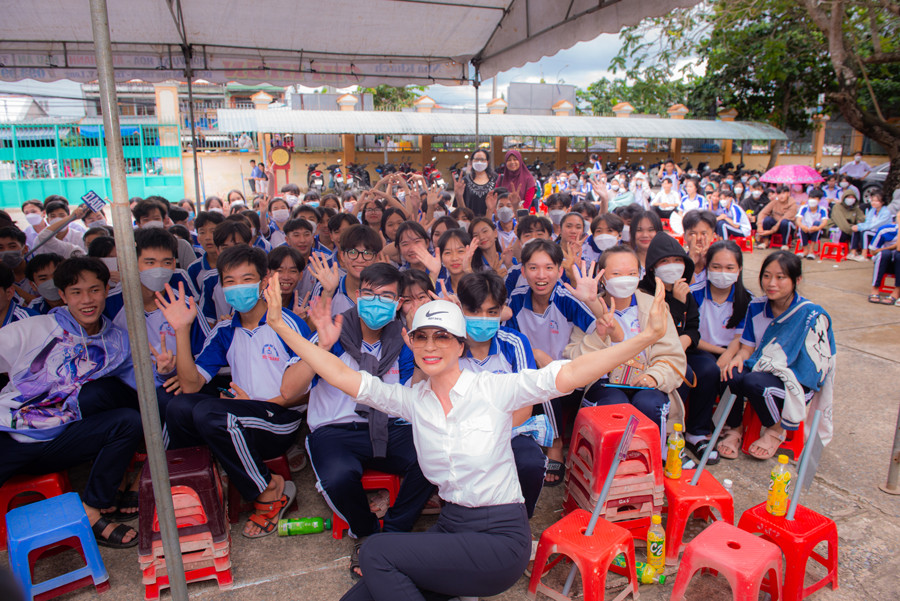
x,y
329,405
341,301
667,202
16,312
759,316
39,306
510,352
698,202
276,236
212,300
715,316
699,282
199,270
466,453
262,243
551,330
257,357
739,216
26,285
812,218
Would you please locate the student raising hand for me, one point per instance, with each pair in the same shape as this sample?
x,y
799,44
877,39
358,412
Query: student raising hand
x,y
178,313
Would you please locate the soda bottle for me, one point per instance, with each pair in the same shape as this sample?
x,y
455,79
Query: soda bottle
x,y
293,526
779,487
728,485
645,573
656,545
675,448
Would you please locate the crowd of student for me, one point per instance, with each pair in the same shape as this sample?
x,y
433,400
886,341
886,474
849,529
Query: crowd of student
x,y
238,297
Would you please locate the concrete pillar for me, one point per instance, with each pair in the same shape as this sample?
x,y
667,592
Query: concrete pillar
x,y
819,138
261,102
676,111
497,149
168,116
563,108
727,115
348,151
424,104
622,110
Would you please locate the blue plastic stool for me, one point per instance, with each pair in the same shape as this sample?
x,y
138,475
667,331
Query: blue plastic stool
x,y
44,524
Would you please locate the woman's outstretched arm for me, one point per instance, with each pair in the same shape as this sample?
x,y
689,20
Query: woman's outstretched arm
x,y
589,367
323,362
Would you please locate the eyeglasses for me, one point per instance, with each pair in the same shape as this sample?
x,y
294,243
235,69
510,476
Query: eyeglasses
x,y
369,294
373,209
367,255
440,338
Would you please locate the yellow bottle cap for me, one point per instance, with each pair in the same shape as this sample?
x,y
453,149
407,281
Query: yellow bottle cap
x,y
656,519
783,459
677,427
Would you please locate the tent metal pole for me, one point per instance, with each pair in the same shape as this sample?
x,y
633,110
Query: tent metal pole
x,y
477,129
189,74
134,304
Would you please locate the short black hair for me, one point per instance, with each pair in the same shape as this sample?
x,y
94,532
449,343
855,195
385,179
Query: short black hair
x,y
615,250
334,224
181,232
145,207
475,288
55,205
279,253
531,222
205,217
7,277
782,188
155,237
69,271
816,193
225,230
585,207
252,216
612,221
411,226
102,230
541,245
317,214
292,188
381,274
101,246
240,254
56,198
14,233
416,277
559,198
176,213
297,224
361,234
693,218
41,261
455,233
34,202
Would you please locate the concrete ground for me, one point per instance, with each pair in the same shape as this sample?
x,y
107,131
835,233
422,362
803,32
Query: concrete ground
x,y
845,487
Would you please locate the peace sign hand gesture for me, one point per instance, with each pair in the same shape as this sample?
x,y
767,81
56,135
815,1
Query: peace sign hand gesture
x,y
165,359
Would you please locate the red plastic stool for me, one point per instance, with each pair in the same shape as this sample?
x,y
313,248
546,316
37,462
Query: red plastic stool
x,y
371,480
593,555
883,288
684,499
744,559
236,505
797,539
25,489
793,441
833,250
777,240
745,242
666,225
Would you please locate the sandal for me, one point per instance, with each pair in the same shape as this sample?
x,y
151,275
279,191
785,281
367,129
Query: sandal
x,y
296,458
699,448
887,300
354,557
126,498
762,452
555,468
875,299
272,511
729,444
115,538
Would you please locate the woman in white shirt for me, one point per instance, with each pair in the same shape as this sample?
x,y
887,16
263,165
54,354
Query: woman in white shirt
x,y
461,424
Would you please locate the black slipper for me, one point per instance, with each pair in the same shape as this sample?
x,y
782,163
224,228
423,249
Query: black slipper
x,y
699,448
115,538
354,557
555,468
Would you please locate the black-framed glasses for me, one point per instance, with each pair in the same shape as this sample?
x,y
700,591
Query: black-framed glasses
x,y
373,209
369,294
367,255
441,339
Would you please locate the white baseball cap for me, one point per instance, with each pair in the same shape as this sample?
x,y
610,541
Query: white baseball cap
x,y
440,314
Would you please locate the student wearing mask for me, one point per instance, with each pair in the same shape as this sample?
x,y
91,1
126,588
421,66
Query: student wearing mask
x,y
846,214
33,210
877,216
504,216
732,221
754,201
68,241
472,186
557,206
39,272
606,232
359,247
10,309
212,302
699,233
205,266
666,200
13,249
811,222
856,170
619,194
777,217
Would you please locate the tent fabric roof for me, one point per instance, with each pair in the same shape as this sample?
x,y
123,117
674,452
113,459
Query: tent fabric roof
x,y
339,42
445,124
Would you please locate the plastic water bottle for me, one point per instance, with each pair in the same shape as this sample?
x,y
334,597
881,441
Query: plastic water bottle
x,y
293,526
645,573
727,485
656,545
779,487
675,449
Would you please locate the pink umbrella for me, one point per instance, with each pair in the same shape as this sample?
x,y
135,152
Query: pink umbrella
x,y
792,174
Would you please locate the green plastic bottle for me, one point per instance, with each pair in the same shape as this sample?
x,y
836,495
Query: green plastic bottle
x,y
645,573
303,526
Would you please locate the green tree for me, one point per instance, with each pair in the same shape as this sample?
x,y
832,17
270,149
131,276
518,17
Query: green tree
x,y
647,97
391,98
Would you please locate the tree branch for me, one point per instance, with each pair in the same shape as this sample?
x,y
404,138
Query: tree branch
x,y
882,58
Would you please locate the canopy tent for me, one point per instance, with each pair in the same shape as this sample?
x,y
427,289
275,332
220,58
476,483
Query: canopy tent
x,y
339,43
448,124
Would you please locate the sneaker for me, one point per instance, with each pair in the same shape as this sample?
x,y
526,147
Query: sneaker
x,y
811,256
856,258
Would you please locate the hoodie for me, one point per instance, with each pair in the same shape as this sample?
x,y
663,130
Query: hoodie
x,y
686,315
48,359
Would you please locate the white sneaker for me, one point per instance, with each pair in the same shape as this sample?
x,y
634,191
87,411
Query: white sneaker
x,y
811,256
856,258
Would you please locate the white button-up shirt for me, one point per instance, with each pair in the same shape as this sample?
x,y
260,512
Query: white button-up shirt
x,y
466,453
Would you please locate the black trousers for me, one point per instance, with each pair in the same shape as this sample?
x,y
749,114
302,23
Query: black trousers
x,y
470,552
531,466
108,433
765,392
700,400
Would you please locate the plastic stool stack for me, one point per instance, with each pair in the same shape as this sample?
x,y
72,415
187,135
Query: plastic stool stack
x,y
637,490
371,480
200,515
40,527
21,490
684,499
236,506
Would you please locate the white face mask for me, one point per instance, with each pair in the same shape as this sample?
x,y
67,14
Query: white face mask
x,y
670,272
291,199
587,225
217,210
845,184
111,263
151,224
281,215
98,223
464,224
556,216
626,233
622,286
605,241
439,214
857,159
812,203
614,187
505,214
722,279
756,193
738,190
479,166
850,201
33,218
54,221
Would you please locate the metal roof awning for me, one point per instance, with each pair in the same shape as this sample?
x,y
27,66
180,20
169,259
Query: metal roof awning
x,y
448,124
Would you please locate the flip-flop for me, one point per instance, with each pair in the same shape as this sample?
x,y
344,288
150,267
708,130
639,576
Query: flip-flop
x,y
767,433
114,540
354,557
555,468
268,521
699,448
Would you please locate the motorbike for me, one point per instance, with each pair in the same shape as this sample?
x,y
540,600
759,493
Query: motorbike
x,y
314,179
337,177
433,175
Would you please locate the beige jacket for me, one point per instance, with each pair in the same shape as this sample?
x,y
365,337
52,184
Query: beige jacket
x,y
668,348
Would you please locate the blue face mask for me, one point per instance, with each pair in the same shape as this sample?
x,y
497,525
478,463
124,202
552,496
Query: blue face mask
x,y
313,203
190,215
242,297
482,329
376,313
